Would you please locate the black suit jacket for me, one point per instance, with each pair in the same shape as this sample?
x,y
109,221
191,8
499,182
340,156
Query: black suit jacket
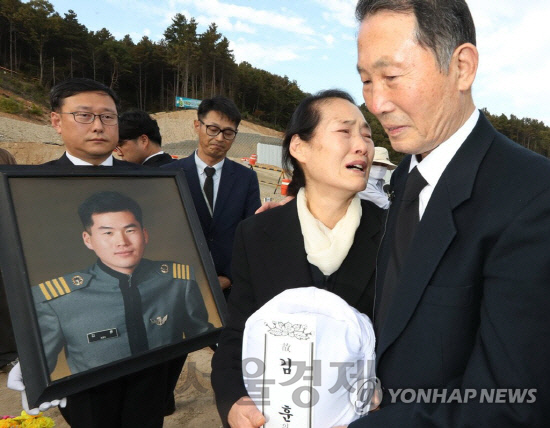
x,y
471,308
269,257
238,197
159,160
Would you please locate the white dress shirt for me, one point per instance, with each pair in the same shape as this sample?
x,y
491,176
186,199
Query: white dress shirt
x,y
80,162
433,165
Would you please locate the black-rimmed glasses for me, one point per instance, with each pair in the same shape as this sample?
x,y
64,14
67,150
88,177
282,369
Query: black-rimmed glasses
x,y
213,131
85,117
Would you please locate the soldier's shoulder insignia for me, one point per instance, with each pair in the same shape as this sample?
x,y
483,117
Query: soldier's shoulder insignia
x,y
176,270
61,286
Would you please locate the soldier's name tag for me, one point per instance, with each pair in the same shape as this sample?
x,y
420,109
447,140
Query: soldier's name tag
x,y
101,335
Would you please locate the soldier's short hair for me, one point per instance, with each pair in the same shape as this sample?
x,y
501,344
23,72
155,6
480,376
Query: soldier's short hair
x,y
107,202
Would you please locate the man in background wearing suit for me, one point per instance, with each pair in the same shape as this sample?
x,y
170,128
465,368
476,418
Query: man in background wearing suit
x,y
461,311
224,192
84,113
140,140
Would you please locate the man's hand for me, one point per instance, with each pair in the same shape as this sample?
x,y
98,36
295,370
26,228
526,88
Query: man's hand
x,y
245,414
225,282
273,204
15,382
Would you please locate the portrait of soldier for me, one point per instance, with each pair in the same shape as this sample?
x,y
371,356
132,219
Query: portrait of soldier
x,y
123,304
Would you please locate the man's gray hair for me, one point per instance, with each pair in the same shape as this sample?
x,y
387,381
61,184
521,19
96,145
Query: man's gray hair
x,y
442,25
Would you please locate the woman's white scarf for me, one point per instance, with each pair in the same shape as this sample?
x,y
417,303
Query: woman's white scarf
x,y
328,248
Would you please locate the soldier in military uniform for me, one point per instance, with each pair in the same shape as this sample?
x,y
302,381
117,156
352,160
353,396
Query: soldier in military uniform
x,y
123,304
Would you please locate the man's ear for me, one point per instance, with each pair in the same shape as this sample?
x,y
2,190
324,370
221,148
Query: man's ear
x,y
56,121
298,148
197,126
144,140
145,236
86,237
466,60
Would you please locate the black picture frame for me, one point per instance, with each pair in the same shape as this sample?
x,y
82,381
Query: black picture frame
x,y
40,231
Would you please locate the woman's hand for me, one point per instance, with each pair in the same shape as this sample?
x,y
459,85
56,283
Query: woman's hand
x,y
245,414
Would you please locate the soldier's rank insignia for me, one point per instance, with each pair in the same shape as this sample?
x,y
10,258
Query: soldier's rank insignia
x,y
78,280
159,320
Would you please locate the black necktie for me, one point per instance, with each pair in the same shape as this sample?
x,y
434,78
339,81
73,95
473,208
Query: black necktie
x,y
405,228
209,186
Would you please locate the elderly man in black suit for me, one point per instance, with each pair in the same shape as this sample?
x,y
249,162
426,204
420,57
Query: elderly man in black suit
x,y
461,310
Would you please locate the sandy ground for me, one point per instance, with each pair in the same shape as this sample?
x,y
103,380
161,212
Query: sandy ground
x,y
35,143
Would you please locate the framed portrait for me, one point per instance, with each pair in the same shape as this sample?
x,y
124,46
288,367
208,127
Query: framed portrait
x,y
106,272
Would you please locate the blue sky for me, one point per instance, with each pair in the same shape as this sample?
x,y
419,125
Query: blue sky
x,y
313,41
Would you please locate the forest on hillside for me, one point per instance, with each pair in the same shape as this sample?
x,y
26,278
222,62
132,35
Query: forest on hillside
x,y
37,43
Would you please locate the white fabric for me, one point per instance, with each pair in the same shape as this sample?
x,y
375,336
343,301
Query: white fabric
x,y
378,172
15,382
215,178
80,162
433,165
327,248
343,337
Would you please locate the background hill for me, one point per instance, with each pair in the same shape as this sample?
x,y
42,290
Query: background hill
x,y
40,45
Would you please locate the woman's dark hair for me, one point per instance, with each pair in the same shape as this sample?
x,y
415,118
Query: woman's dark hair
x,y
303,123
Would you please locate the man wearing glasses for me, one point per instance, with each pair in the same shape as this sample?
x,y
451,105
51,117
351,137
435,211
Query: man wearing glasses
x,y
85,114
224,192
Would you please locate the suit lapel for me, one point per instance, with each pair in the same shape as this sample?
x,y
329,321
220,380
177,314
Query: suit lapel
x,y
281,234
349,286
435,232
398,180
63,160
192,176
227,181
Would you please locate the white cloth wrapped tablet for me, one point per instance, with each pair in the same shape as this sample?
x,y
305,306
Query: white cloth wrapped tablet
x,y
306,355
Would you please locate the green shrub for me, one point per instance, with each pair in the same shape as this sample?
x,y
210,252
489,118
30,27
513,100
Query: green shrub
x,y
35,110
9,105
